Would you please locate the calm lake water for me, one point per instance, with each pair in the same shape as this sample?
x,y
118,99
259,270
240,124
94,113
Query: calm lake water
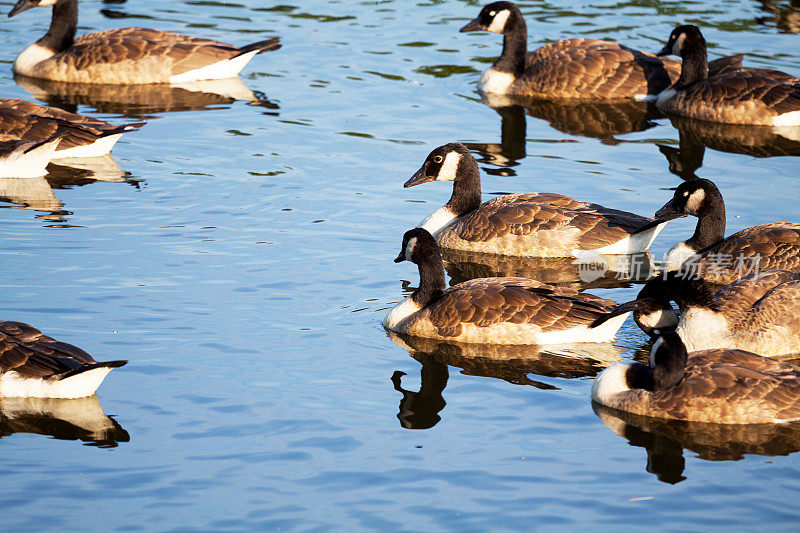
x,y
240,257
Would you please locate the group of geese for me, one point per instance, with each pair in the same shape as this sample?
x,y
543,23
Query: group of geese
x,y
731,323
720,383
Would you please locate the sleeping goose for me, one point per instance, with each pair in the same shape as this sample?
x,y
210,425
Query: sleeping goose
x,y
758,96
26,159
493,310
721,386
715,258
571,68
34,365
82,136
532,224
126,56
759,313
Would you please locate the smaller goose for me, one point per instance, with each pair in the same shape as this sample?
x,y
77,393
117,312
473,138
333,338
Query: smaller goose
x,y
758,96
25,159
493,310
34,365
571,68
715,258
125,56
532,224
720,386
759,313
82,136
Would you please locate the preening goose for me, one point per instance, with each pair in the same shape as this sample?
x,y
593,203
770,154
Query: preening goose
x,y
710,255
759,96
26,159
81,136
34,365
532,224
721,386
126,55
570,68
759,313
493,310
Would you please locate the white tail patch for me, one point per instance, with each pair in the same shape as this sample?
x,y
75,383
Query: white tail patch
x,y
791,118
101,146
605,332
77,386
633,244
227,68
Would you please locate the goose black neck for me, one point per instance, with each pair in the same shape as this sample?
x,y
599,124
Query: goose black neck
x,y
431,278
515,45
710,227
670,365
466,195
63,26
694,67
678,287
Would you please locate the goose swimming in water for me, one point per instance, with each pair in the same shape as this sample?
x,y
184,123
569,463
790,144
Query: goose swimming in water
x,y
35,365
493,310
26,159
532,224
720,386
572,68
125,56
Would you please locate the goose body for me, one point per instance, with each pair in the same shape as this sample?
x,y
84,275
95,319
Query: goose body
x,y
532,224
719,385
493,310
759,96
24,159
570,68
81,136
34,365
710,255
126,56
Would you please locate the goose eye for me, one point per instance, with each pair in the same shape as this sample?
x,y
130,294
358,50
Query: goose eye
x,y
438,159
686,193
492,13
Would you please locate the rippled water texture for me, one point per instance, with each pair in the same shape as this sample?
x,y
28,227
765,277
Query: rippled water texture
x,y
239,254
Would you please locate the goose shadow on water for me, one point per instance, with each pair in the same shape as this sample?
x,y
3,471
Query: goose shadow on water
x,y
420,410
694,136
74,419
664,440
144,100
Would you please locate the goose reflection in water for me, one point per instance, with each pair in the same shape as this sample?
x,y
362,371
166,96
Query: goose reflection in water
x,y
37,193
694,136
75,419
514,364
785,15
665,440
141,101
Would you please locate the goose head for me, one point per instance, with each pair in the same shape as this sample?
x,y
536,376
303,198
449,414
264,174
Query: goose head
x,y
683,39
694,197
497,17
24,5
445,163
418,245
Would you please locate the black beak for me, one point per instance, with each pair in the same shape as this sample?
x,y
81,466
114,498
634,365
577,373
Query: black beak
x,y
621,309
473,25
400,258
418,177
667,211
667,50
22,5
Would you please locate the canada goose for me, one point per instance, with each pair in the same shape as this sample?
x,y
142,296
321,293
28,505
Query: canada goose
x,y
493,310
532,224
126,55
710,255
759,313
34,365
721,386
570,68
26,159
759,96
82,136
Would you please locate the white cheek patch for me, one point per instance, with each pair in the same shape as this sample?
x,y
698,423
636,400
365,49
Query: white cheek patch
x,y
410,248
695,201
676,48
499,21
449,167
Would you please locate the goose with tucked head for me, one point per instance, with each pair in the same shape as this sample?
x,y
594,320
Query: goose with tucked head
x,y
493,310
758,96
759,313
36,366
710,255
571,68
719,385
532,224
126,56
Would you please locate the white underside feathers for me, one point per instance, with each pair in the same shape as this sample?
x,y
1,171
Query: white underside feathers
x,y
77,386
787,119
402,311
611,382
30,164
101,146
227,68
633,244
